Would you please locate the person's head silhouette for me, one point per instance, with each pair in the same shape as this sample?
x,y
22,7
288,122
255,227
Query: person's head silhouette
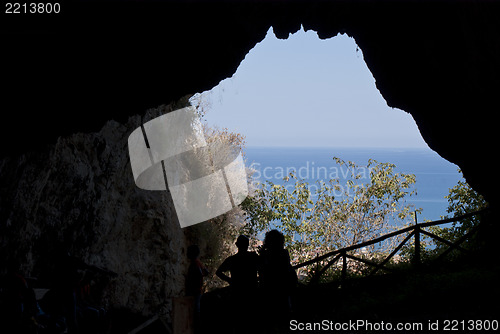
x,y
274,240
242,243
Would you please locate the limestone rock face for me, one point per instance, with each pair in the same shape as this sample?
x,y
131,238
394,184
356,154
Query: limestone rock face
x,y
79,196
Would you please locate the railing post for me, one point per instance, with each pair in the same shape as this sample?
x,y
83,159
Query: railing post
x,y
344,267
417,258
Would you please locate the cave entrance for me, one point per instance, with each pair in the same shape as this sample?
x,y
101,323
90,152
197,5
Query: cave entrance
x,y
303,100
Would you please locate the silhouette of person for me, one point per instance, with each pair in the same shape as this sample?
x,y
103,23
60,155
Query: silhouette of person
x,y
277,277
194,281
243,269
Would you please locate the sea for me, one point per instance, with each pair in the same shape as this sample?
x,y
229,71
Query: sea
x,y
434,175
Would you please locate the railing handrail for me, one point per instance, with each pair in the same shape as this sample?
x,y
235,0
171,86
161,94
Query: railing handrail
x,y
386,236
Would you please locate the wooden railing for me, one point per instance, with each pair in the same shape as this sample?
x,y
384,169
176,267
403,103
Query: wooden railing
x,y
414,231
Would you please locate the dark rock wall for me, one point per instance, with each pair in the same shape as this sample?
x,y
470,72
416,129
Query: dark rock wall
x,y
79,196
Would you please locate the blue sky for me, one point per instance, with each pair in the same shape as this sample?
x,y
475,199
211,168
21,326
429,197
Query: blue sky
x,y
304,91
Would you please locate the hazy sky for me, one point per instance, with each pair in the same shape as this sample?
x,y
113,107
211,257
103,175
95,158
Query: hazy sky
x,y
304,91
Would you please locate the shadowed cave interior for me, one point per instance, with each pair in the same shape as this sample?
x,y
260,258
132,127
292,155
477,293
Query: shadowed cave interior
x,y
76,82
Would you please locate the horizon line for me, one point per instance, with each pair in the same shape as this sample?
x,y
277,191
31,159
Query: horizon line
x,y
341,147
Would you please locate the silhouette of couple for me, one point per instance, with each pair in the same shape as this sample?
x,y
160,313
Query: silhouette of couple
x,y
267,277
